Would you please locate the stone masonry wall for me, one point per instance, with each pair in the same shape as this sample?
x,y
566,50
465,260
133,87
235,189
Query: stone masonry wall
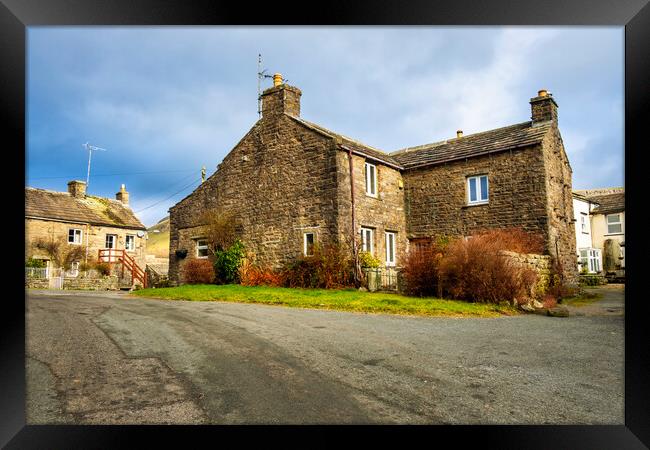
x,y
559,204
540,264
280,181
436,196
383,213
93,238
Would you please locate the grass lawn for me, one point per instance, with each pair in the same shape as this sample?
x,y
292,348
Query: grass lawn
x,y
342,300
585,299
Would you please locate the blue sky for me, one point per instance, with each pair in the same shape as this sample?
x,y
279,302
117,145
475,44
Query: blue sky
x,y
165,101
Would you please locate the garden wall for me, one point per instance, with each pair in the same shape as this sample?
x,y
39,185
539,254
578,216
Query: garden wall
x,y
541,264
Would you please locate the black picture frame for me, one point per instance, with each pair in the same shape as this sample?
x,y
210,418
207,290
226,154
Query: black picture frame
x,y
634,15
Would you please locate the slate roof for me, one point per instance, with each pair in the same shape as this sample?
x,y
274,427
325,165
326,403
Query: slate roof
x,y
45,204
355,146
607,203
500,139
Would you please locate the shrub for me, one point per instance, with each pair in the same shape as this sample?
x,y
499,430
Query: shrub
x,y
367,260
221,228
198,271
103,268
557,286
252,275
329,267
227,262
474,269
421,270
37,263
60,253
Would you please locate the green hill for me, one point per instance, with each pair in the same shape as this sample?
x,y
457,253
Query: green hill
x,y
158,241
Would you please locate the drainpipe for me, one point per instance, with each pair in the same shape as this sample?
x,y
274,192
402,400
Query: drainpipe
x,y
87,242
354,227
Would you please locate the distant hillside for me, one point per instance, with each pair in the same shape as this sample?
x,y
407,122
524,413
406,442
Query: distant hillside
x,y
158,242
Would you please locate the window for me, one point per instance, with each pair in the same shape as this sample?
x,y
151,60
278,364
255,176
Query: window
x,y
390,248
477,189
111,240
130,242
202,248
583,223
74,269
74,236
614,224
371,180
308,244
367,238
590,260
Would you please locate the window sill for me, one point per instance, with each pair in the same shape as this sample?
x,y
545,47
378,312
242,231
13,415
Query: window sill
x,y
469,205
614,234
372,196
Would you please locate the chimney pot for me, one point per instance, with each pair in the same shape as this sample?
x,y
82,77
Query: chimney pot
x,y
277,79
542,93
77,188
459,133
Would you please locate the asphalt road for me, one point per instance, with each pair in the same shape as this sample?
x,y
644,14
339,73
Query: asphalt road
x,y
110,359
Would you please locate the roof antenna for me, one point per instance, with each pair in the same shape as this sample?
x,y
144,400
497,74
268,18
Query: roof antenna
x,y
261,74
90,149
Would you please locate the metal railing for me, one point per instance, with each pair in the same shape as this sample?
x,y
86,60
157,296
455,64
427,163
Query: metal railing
x,y
37,272
382,278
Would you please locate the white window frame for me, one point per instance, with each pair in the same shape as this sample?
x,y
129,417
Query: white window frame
x,y
77,232
592,258
371,185
479,200
114,241
129,238
200,247
74,269
620,222
304,243
391,237
584,223
367,240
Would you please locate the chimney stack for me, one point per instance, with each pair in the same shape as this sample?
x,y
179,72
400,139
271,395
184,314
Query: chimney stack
x,y
543,107
281,98
122,196
459,133
77,188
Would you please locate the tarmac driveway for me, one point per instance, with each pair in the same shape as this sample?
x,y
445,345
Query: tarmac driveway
x,y
107,358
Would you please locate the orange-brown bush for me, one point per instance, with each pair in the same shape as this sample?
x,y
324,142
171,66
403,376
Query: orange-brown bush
x,y
421,270
475,270
252,275
330,267
198,271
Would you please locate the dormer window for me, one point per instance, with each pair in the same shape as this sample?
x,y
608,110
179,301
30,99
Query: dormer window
x,y
371,180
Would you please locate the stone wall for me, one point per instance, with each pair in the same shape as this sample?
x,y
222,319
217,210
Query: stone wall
x,y
436,196
540,264
382,213
109,283
280,181
93,238
37,283
559,205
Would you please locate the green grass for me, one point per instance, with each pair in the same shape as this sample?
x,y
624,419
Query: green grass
x,y
584,299
341,300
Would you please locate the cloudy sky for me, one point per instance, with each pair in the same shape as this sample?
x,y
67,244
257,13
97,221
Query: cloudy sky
x,y
165,101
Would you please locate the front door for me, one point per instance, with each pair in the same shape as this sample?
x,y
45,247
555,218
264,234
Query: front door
x,y
111,243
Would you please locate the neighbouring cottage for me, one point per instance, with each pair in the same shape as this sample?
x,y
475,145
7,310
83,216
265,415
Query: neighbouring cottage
x,y
292,183
93,223
600,230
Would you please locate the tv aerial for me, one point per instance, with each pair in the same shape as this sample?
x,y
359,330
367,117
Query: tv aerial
x,y
90,149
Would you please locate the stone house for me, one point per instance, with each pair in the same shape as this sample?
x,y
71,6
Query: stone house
x,y
293,183
600,230
90,222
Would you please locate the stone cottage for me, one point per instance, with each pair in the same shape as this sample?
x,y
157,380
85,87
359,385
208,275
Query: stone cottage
x,y
90,222
293,183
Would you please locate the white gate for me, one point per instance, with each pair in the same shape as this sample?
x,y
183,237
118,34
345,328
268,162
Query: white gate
x,y
56,278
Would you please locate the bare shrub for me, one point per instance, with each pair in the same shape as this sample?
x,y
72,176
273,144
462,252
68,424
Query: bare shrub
x,y
221,228
331,266
252,275
421,270
198,271
60,252
474,269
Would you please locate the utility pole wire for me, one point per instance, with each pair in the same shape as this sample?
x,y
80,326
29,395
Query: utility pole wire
x,y
168,188
167,198
114,174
